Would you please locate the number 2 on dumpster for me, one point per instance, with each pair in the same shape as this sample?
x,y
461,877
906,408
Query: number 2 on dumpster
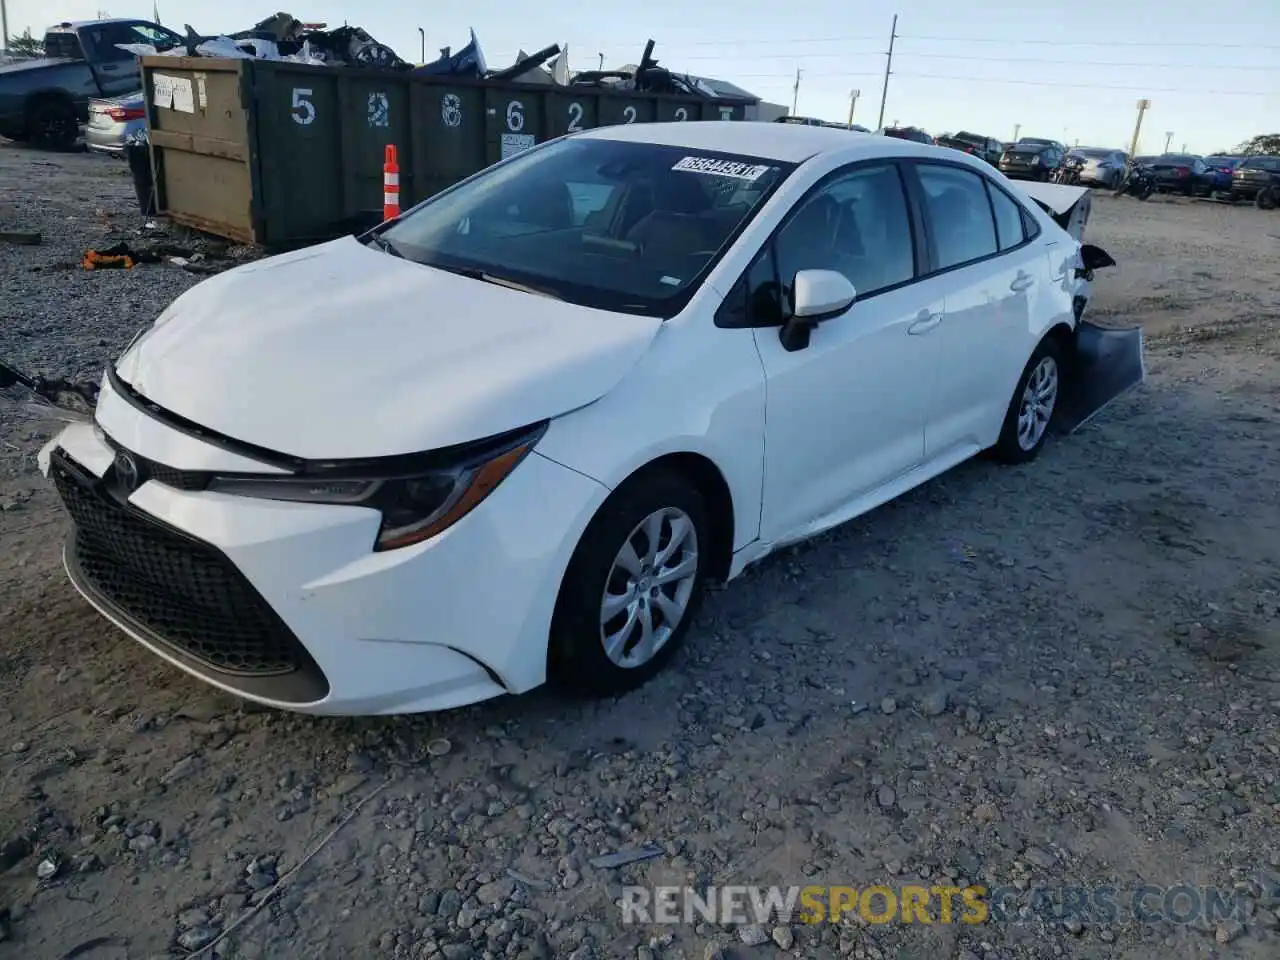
x,y
304,111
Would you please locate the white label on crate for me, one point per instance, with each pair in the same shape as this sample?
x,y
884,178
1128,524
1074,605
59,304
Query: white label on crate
x,y
513,143
162,90
184,98
682,114
202,92
722,168
628,114
575,117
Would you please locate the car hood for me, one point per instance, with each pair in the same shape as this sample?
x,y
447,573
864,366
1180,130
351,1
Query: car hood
x,y
341,350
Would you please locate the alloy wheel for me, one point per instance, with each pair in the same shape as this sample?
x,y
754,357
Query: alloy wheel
x,y
649,587
1038,399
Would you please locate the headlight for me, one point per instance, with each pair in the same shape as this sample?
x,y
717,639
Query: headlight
x,y
416,500
1035,161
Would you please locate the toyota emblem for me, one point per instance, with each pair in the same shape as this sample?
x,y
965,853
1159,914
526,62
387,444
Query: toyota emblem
x,y
127,471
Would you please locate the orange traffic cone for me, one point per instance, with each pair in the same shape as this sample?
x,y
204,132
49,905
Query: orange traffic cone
x,y
390,185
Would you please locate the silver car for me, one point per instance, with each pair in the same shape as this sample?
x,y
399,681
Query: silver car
x,y
112,121
1100,166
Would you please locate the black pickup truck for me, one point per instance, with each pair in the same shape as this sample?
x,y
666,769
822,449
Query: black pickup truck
x,y
44,100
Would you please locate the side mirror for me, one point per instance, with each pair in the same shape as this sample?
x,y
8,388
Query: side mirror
x,y
816,295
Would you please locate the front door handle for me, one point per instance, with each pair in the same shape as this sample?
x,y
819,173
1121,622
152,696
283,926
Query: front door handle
x,y
108,67
1021,282
925,322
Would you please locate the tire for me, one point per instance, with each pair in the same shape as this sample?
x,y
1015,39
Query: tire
x,y
577,660
1267,199
1012,448
1144,193
53,125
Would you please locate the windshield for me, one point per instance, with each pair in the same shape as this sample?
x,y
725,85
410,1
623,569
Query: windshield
x,y
1092,154
630,227
1033,142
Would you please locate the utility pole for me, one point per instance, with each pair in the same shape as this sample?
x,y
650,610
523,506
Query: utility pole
x,y
423,35
1143,107
853,101
1016,128
1184,148
888,66
4,27
601,56
1168,135
795,93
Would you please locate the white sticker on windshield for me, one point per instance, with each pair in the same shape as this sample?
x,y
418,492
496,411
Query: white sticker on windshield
x,y
670,281
722,168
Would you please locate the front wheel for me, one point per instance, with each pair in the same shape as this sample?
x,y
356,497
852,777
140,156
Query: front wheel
x,y
633,586
1026,422
1267,198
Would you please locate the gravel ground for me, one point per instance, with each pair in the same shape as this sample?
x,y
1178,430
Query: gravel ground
x,y
1065,675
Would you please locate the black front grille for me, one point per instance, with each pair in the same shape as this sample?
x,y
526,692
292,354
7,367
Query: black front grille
x,y
177,589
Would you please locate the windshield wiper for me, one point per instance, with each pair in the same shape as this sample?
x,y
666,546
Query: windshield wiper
x,y
385,245
513,285
473,274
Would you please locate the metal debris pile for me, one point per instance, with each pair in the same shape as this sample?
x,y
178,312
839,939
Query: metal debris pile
x,y
284,37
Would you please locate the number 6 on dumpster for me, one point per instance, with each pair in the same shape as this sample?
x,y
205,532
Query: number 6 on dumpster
x,y
515,116
304,111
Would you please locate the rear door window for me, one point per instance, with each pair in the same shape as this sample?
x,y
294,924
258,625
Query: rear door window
x,y
1009,218
960,218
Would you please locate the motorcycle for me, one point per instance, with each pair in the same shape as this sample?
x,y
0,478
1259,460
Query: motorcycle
x,y
1137,182
1068,173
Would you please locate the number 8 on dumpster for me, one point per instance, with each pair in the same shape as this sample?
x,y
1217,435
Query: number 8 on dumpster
x,y
304,111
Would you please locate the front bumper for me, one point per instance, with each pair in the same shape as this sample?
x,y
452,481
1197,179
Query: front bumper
x,y
1248,189
287,605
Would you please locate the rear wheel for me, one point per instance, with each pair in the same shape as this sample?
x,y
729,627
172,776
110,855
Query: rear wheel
x,y
633,586
1026,423
1267,198
53,125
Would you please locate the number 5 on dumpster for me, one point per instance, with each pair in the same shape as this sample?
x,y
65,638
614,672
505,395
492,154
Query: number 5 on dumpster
x,y
304,111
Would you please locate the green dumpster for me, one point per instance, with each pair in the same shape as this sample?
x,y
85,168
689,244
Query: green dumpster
x,y
279,154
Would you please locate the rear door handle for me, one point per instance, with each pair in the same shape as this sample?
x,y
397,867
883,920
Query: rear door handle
x,y
1021,282
924,322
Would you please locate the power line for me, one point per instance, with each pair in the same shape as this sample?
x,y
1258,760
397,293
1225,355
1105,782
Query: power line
x,y
662,46
1088,86
1089,63
1096,43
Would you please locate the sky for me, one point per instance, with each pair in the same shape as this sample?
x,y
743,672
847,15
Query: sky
x,y
1068,71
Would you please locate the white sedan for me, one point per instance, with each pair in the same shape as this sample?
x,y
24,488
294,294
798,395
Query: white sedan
x,y
510,436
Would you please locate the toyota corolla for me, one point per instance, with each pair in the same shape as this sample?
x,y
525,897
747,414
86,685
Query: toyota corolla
x,y
510,436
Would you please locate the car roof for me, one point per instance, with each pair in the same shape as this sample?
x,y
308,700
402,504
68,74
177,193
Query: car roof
x,y
783,142
81,24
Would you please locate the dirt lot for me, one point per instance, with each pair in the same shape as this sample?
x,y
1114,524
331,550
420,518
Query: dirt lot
x,y
1065,675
